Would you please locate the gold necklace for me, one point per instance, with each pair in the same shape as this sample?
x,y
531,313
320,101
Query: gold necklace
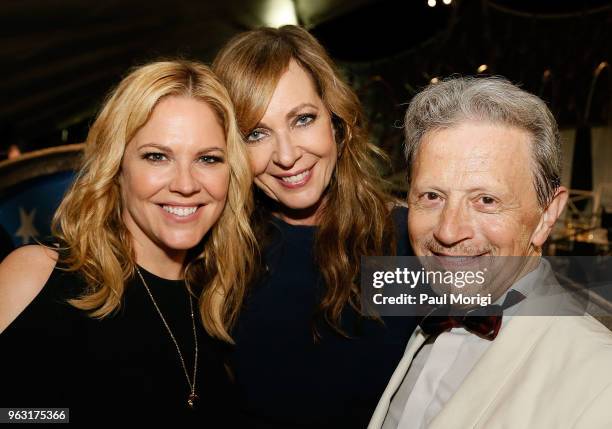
x,y
192,398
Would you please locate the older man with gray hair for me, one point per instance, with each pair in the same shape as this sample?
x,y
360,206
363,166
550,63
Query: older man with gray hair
x,y
485,163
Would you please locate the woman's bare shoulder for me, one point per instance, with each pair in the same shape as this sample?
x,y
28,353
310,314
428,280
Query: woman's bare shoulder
x,y
23,274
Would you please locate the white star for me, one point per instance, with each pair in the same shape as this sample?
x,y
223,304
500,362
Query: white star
x,y
27,229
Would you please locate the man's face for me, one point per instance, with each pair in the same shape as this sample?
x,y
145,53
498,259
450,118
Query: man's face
x,y
472,195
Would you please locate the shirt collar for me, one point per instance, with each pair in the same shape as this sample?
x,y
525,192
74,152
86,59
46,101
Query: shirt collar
x,y
526,284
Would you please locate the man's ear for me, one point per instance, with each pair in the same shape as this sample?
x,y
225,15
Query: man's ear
x,y
549,216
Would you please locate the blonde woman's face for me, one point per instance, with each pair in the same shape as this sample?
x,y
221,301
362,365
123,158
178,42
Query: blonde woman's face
x,y
292,150
175,176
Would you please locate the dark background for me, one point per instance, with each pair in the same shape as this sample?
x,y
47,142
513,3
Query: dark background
x,y
60,57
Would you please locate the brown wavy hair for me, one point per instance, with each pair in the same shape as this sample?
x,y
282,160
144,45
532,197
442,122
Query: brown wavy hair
x,y
88,222
355,220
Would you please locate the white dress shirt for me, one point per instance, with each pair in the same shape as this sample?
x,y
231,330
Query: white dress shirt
x,y
441,365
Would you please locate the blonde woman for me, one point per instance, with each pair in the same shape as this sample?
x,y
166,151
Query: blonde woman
x,y
305,355
108,323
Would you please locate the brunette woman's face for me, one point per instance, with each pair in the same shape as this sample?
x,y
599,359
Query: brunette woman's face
x,y
174,176
292,150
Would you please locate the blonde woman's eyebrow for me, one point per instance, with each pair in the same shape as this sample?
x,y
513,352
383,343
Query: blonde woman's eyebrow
x,y
168,149
211,149
156,146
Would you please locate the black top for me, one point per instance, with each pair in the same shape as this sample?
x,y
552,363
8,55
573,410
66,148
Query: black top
x,y
123,367
6,244
285,379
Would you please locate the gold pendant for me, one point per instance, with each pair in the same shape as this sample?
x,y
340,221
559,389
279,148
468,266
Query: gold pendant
x,y
191,400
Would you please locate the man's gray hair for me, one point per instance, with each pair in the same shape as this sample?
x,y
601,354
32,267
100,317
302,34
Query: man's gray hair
x,y
491,99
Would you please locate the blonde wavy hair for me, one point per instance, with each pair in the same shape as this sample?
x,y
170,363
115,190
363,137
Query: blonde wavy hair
x,y
355,220
88,222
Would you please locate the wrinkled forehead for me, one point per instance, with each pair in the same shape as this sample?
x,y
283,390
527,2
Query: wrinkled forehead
x,y
474,153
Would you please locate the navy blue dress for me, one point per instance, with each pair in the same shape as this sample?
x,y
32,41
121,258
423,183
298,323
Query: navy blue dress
x,y
283,377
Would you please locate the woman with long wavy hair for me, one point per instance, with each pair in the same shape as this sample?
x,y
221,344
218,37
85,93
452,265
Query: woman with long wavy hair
x,y
306,354
105,319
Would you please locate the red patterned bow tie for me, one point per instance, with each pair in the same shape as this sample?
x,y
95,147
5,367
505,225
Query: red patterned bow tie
x,y
482,321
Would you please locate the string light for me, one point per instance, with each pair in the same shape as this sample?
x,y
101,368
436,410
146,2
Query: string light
x,y
431,3
482,68
447,2
434,80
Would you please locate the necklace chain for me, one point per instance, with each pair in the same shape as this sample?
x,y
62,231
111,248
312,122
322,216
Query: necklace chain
x,y
191,382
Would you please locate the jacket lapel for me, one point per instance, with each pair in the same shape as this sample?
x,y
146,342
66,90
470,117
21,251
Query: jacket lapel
x,y
479,391
414,344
